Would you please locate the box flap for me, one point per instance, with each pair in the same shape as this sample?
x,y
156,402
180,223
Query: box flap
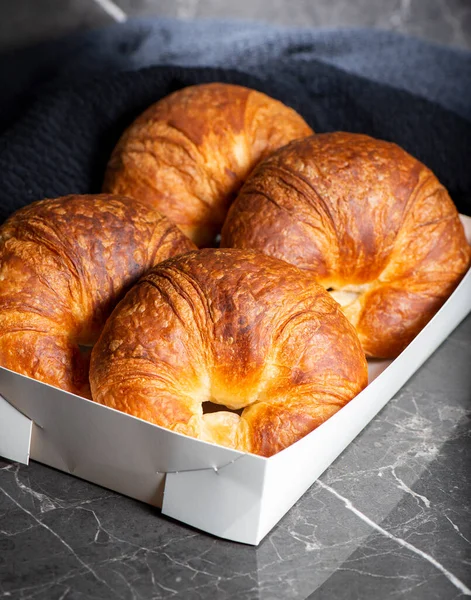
x,y
15,433
225,502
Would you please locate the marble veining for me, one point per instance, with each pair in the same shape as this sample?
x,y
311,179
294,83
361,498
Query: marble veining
x,y
389,519
454,580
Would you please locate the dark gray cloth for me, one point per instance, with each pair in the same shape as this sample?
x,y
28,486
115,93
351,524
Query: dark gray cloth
x,y
438,73
64,104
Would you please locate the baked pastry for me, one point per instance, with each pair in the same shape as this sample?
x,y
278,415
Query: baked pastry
x,y
234,328
64,263
188,154
371,221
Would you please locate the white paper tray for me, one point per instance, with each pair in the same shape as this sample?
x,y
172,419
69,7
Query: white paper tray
x,y
227,493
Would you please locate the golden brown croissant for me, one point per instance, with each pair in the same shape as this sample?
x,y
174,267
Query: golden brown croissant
x,y
371,221
239,329
64,264
188,154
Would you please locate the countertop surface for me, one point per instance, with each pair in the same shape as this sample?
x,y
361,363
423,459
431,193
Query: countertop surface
x,y
389,519
443,21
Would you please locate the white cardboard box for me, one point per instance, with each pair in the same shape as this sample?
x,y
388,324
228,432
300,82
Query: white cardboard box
x,y
228,493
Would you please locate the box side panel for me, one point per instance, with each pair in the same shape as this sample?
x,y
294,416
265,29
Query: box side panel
x,y
15,433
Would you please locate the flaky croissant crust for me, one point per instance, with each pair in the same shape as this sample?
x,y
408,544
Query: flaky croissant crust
x,y
373,223
188,154
64,264
236,328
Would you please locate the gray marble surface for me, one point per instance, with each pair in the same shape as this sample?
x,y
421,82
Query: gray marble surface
x,y
389,519
24,22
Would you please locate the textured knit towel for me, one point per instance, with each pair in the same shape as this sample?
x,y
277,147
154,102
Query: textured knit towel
x,y
64,105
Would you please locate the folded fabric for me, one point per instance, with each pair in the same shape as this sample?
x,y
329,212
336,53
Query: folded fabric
x,y
65,104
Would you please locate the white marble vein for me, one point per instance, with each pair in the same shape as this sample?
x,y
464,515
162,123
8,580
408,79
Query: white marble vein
x,y
45,502
457,529
56,535
403,486
452,578
113,10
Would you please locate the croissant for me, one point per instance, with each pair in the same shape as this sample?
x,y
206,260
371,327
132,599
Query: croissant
x,y
64,264
188,154
235,328
372,222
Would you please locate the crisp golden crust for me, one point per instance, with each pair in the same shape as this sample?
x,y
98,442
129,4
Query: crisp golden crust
x,y
64,264
372,222
188,154
235,328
